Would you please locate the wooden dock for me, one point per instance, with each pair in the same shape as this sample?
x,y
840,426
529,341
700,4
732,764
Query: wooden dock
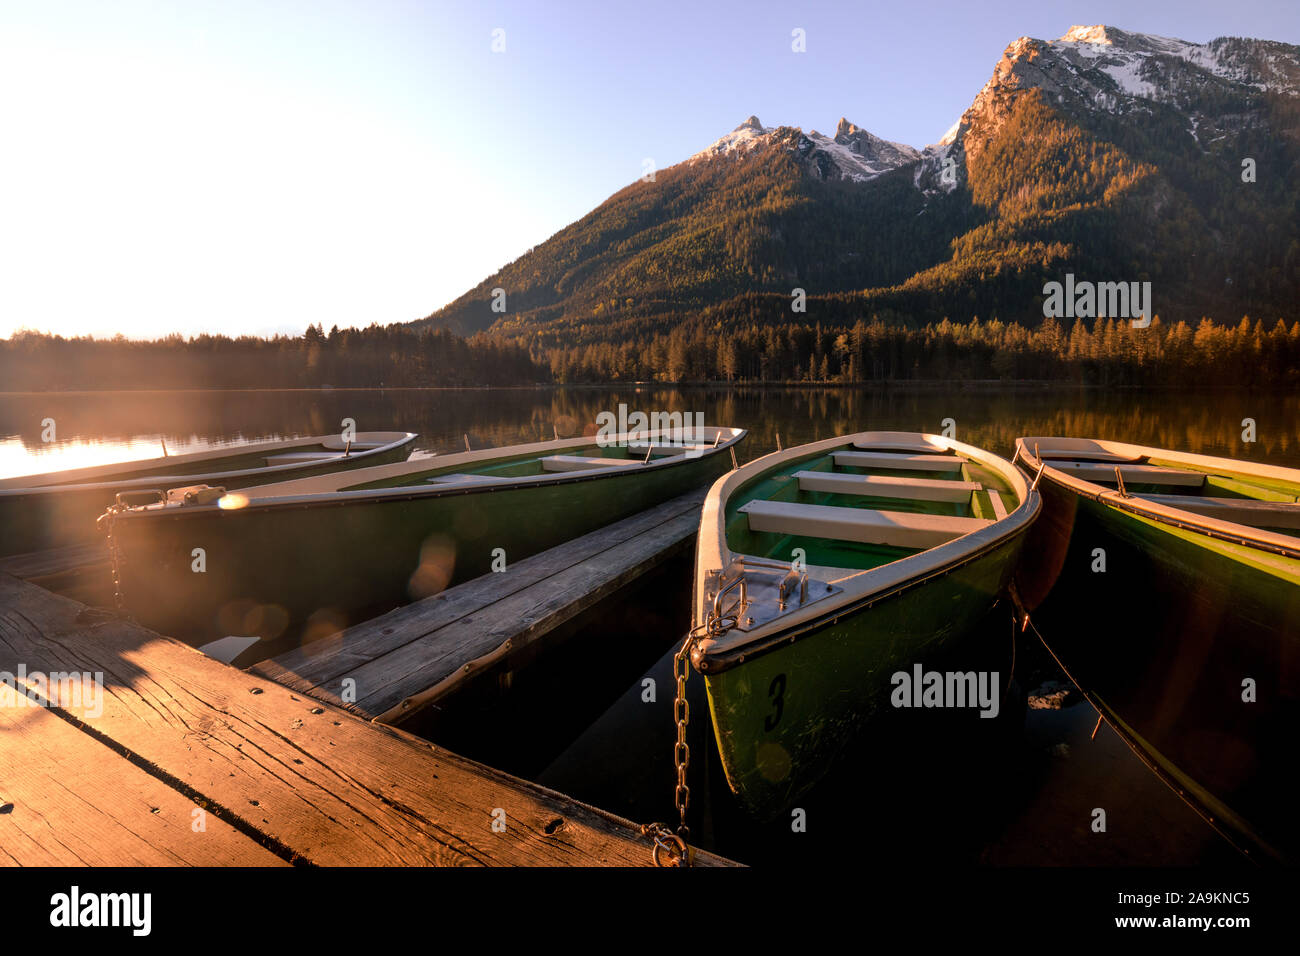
x,y
80,571
180,759
390,668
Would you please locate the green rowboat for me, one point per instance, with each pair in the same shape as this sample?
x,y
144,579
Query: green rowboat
x,y
331,550
823,570
59,509
1167,585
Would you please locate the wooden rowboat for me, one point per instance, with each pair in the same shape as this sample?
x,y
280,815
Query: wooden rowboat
x,y
342,548
903,542
59,509
1168,587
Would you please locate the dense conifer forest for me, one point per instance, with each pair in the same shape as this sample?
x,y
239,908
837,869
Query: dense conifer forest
x,y
1104,352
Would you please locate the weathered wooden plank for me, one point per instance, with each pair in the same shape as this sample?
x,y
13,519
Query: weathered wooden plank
x,y
36,565
316,783
67,799
327,661
399,684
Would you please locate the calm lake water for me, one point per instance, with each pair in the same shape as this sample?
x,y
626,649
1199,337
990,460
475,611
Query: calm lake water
x,y
92,428
1017,790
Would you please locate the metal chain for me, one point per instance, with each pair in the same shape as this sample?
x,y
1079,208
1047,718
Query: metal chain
x,y
108,521
115,556
665,840
682,716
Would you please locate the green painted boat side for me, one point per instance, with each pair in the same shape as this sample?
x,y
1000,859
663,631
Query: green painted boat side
x,y
341,558
789,693
58,510
783,717
1162,641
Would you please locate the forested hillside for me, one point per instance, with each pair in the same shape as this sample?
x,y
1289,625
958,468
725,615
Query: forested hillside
x,y
1109,155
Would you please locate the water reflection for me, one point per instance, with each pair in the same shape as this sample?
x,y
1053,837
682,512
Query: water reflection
x,y
94,428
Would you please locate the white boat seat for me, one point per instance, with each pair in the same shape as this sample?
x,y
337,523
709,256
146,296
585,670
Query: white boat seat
x,y
460,478
581,463
877,486
301,457
1255,514
1066,454
899,462
1136,474
999,509
907,447
337,443
657,448
898,528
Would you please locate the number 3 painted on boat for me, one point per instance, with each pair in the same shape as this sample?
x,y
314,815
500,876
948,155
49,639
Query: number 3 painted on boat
x,y
777,692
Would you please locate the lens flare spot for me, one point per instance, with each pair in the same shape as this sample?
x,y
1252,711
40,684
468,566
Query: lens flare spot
x,y
773,761
325,623
267,620
437,562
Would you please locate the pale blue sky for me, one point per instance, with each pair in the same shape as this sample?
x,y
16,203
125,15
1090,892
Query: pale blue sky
x,y
256,166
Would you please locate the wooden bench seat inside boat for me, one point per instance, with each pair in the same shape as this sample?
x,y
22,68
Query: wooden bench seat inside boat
x,y
999,509
336,443
1077,454
458,478
1255,514
914,447
899,462
299,457
897,528
1134,474
581,463
657,448
878,486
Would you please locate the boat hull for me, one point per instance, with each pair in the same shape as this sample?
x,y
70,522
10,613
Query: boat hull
x,y
1163,640
783,717
344,559
62,515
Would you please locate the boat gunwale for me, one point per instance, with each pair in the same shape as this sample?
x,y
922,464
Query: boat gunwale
x,y
714,655
1287,546
400,493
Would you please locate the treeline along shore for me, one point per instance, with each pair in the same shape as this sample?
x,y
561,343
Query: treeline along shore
x,y
1102,352
393,356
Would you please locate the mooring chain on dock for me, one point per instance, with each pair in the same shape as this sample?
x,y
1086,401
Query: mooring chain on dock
x,y
108,521
665,840
682,716
115,556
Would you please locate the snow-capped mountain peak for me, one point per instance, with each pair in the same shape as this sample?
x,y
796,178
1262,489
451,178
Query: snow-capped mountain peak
x,y
852,153
1101,68
742,139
